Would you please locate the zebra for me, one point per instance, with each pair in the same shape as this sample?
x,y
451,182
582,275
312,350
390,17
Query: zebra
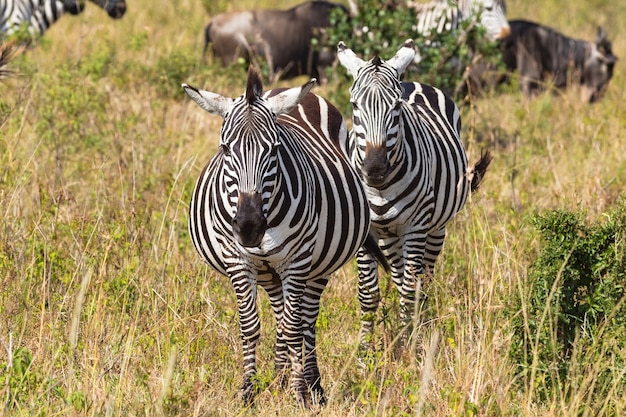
x,y
440,16
405,143
39,15
280,206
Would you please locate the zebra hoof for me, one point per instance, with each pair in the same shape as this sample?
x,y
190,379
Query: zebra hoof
x,y
317,395
247,393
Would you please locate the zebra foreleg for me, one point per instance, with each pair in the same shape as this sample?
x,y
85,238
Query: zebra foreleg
x,y
369,296
250,327
292,327
274,289
411,282
310,311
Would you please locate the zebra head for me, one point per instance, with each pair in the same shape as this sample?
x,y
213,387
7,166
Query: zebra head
x,y
115,8
250,142
376,97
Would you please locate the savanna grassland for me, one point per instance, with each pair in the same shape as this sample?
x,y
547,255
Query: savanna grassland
x,y
106,309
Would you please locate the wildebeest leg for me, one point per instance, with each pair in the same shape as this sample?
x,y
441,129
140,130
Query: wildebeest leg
x,y
310,311
250,326
529,71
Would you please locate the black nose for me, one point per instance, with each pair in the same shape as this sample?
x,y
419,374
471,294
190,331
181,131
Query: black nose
x,y
375,165
249,224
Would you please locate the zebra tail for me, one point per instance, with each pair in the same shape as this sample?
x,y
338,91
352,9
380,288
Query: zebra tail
x,y
207,40
8,51
480,168
372,248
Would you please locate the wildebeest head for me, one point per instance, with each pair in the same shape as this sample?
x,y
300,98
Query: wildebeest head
x,y
598,68
250,142
376,97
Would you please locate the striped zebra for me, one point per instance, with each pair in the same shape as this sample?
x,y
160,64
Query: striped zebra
x,y
39,15
440,16
406,145
279,206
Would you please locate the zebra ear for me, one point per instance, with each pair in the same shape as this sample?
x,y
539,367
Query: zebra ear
x,y
211,102
348,59
403,57
287,100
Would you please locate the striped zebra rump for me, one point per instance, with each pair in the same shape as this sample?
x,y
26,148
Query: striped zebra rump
x,y
405,143
279,206
39,15
442,16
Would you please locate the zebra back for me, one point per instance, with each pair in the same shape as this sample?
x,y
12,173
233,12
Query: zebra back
x,y
441,16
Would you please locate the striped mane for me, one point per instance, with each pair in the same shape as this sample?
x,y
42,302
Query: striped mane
x,y
254,87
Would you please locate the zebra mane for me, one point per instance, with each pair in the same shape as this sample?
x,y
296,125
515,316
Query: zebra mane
x,y
254,87
377,61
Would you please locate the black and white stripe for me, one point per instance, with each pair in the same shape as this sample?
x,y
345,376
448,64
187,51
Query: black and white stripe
x,y
441,16
279,206
39,15
405,143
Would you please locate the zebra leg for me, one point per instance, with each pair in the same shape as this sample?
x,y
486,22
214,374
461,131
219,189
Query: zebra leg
x,y
293,288
434,244
310,311
274,289
250,327
412,279
369,295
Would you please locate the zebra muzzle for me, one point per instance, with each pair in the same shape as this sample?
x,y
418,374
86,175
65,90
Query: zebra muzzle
x,y
249,224
375,165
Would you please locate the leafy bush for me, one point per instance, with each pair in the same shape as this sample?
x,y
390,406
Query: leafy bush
x,y
381,27
576,298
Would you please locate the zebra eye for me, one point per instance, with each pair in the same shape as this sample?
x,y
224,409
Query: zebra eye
x,y
225,149
354,105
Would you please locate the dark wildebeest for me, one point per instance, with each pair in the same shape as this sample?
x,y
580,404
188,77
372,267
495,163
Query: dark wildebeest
x,y
281,37
542,55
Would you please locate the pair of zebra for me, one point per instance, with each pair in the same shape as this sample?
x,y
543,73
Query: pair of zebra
x,y
290,196
39,15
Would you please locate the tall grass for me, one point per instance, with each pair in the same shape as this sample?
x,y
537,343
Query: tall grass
x,y
106,309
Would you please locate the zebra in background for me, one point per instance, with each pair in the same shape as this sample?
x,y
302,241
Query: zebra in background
x,y
279,206
39,15
405,143
440,16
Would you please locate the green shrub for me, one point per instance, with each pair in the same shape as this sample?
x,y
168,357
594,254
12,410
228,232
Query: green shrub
x,y
575,300
380,29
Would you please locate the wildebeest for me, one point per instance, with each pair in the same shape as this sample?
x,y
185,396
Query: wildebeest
x,y
281,37
542,55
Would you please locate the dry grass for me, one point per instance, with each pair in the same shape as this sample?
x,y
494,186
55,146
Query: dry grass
x,y
106,309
